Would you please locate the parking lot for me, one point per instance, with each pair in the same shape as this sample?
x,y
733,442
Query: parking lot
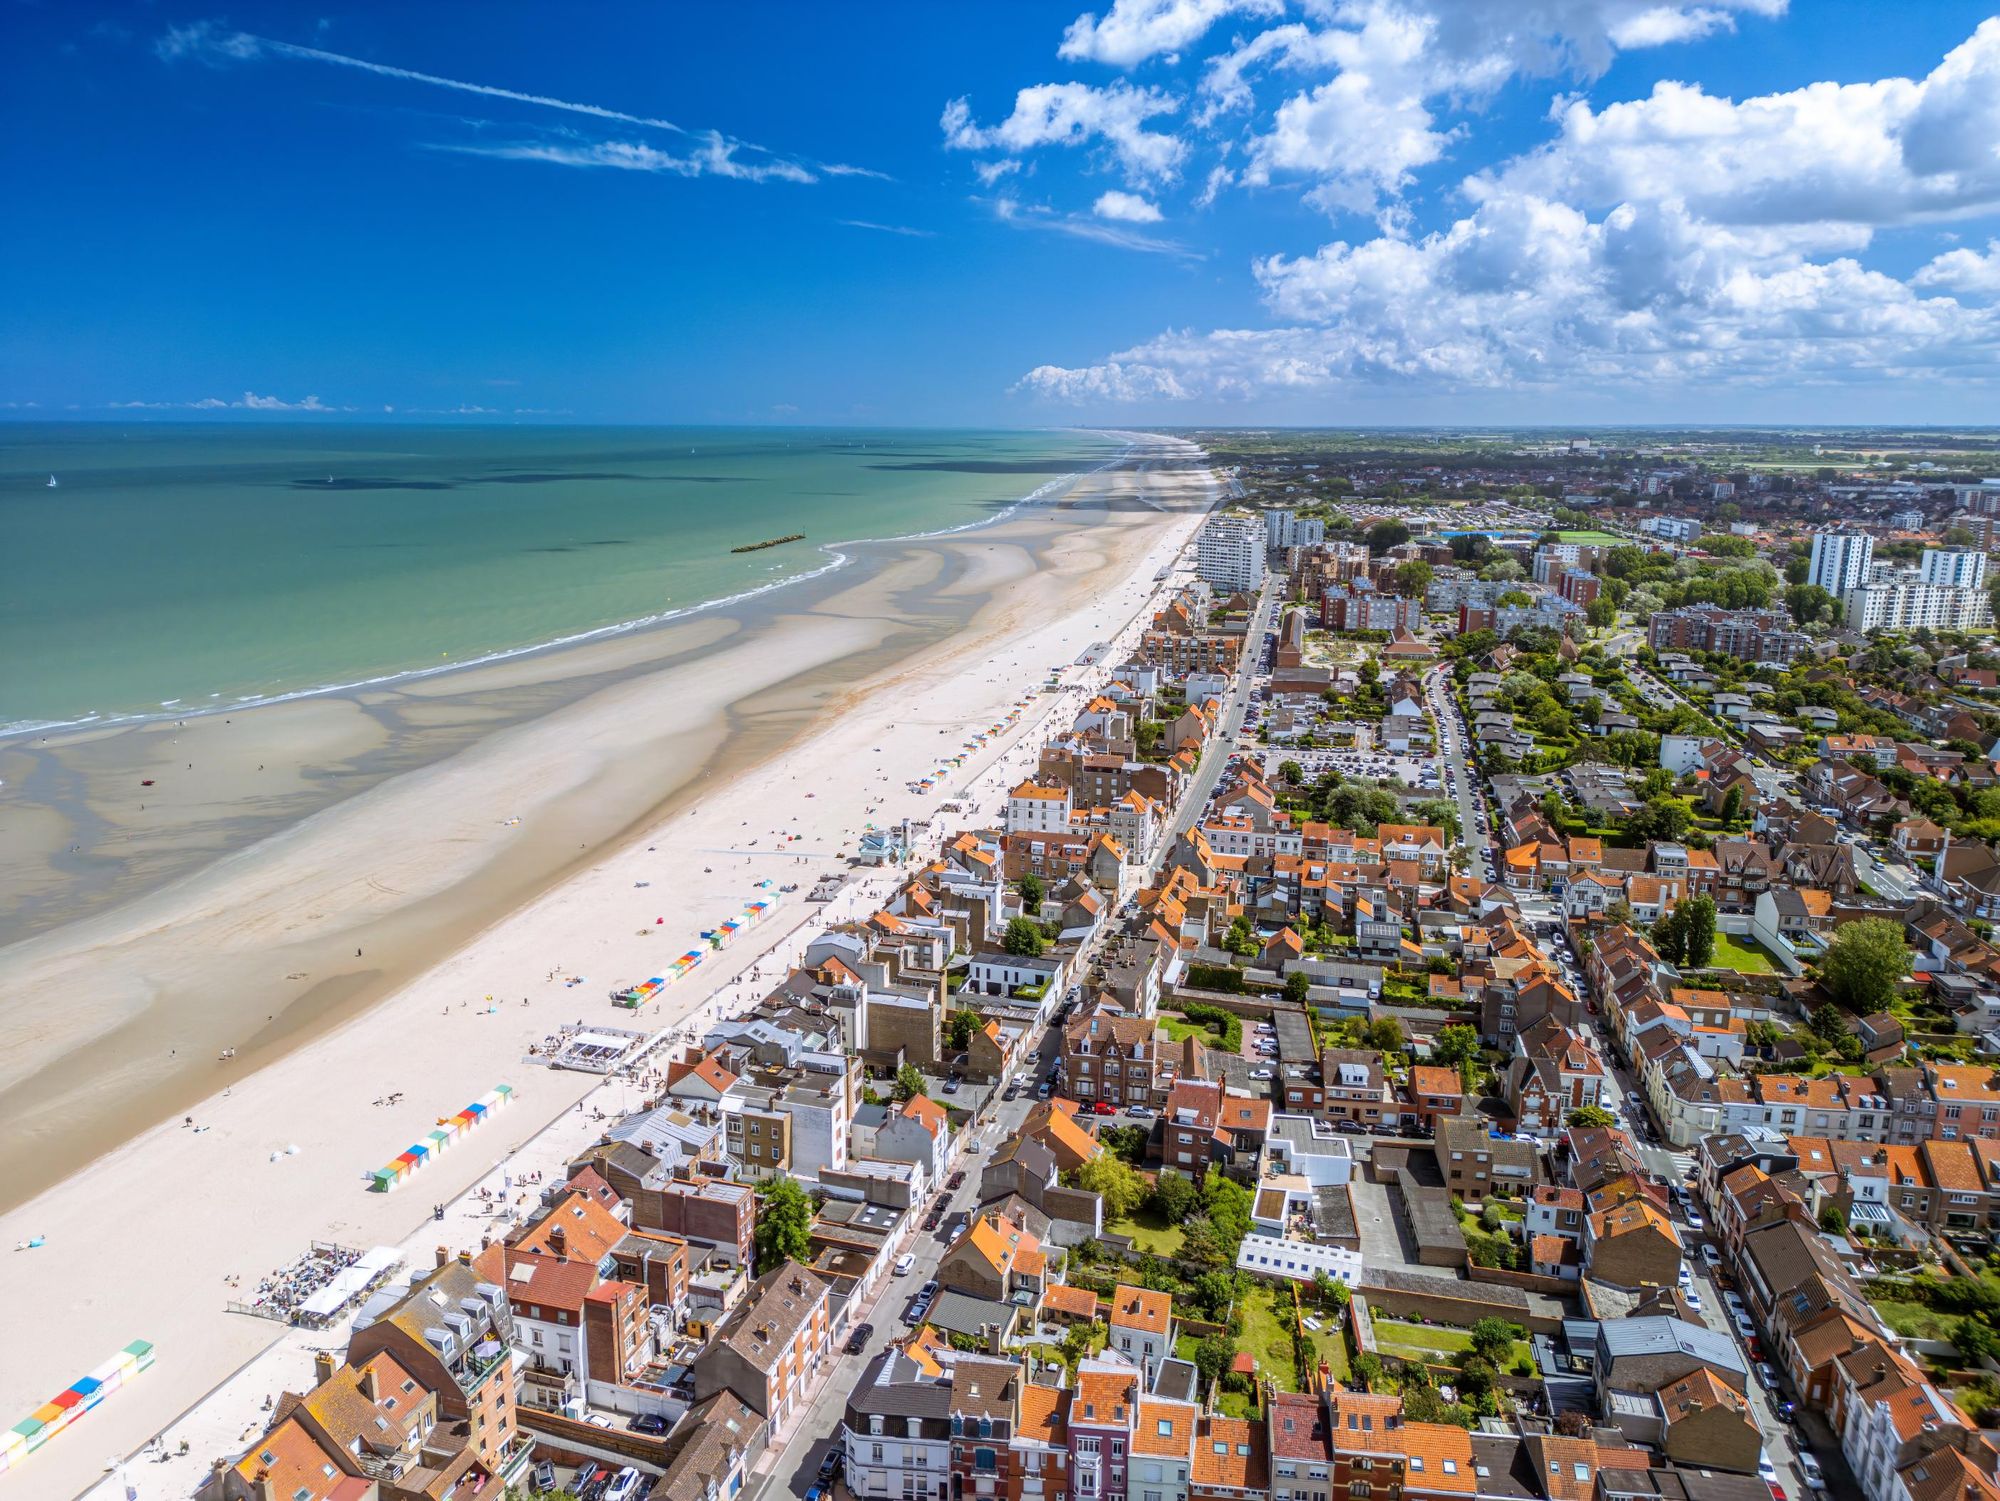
x,y
1412,771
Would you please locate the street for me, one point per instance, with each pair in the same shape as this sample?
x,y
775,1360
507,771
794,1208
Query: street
x,y
1459,776
815,1430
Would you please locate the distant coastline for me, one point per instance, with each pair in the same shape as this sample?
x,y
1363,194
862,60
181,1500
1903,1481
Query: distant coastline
x,y
769,542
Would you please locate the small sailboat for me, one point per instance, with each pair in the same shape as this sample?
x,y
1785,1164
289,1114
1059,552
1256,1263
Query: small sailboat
x,y
52,482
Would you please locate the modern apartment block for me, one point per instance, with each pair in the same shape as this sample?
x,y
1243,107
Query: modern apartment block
x,y
1284,529
1229,554
1840,561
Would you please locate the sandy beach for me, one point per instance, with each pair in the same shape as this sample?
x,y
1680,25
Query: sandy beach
x,y
417,938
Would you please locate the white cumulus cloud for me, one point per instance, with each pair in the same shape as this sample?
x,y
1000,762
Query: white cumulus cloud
x,y
1134,30
1129,207
1966,272
1077,114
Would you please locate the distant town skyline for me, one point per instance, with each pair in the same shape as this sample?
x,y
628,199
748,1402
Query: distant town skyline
x,y
1351,213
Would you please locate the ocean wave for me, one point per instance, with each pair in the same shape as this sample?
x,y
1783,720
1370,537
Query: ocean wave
x,y
836,559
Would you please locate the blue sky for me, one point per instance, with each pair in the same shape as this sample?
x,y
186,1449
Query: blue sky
x,y
1187,211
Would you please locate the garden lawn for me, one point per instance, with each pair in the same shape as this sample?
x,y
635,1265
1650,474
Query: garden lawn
x,y
1180,1029
1436,1343
1267,1335
1745,958
1913,1320
1149,1232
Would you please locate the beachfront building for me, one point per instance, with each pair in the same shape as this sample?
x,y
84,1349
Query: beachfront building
x,y
453,1331
1229,554
1035,809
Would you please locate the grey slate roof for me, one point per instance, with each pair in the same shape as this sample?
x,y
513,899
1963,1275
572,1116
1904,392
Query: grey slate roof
x,y
1665,1336
961,1313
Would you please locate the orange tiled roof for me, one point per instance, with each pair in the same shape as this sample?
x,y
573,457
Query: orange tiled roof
x,y
1141,1308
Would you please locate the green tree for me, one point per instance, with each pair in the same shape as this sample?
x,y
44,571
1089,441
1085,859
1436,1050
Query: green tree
x,y
959,1029
1670,938
1413,578
1202,1244
1032,892
1732,804
1385,1035
1298,984
1368,1371
1242,938
1591,1118
1601,612
1212,1355
784,1224
1477,1377
1697,915
1455,1045
1024,939
1076,1343
1493,1338
1384,535
1174,1194
1293,773
1864,964
1975,1339
910,1082
1809,603
1227,1205
1115,1181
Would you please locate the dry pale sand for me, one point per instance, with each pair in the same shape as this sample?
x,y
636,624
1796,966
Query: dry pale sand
x,y
812,728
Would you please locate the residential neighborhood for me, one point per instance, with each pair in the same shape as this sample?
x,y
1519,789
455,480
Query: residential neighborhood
x,y
1495,989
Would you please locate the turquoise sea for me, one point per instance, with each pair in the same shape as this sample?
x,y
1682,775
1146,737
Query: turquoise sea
x,y
177,567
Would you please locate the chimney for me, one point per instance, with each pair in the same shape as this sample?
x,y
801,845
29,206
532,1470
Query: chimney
x,y
323,1367
367,1383
465,1258
444,1256
559,1243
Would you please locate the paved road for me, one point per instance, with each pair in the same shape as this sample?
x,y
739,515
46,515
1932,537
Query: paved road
x,y
1890,882
817,1429
1202,786
1780,1440
1453,743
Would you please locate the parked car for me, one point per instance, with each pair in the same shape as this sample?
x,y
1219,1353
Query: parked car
x,y
1260,1073
623,1486
1809,1467
1766,1471
1711,1257
829,1466
1101,1107
905,1263
1692,1298
1139,1112
1041,1091
956,1180
1767,1376
858,1340
1352,1128
649,1422
545,1477
951,1085
1695,1222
